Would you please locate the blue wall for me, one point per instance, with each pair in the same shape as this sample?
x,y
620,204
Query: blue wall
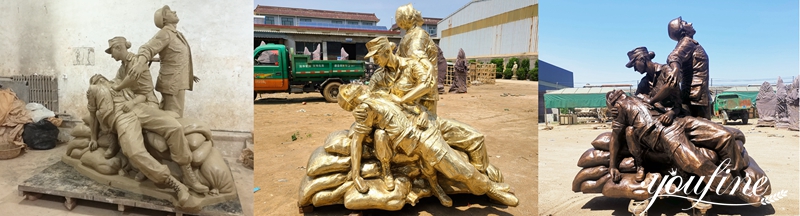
x,y
551,77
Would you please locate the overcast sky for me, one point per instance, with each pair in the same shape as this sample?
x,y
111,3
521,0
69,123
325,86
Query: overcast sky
x,y
383,9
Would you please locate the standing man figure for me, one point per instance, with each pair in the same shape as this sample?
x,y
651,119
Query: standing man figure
x,y
690,60
176,73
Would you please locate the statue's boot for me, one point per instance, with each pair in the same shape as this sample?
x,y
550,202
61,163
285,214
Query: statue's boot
x,y
504,198
191,181
640,174
140,177
180,189
360,185
388,179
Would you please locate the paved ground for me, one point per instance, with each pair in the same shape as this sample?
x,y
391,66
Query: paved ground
x,y
508,122
776,151
15,171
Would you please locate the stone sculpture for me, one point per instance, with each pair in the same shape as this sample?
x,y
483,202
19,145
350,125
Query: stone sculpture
x,y
130,142
781,113
460,76
792,103
398,151
766,105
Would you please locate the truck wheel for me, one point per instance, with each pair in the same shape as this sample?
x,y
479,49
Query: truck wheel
x,y
724,118
744,119
331,91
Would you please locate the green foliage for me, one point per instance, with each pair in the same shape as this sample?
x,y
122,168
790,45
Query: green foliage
x,y
499,69
523,69
535,71
507,74
471,61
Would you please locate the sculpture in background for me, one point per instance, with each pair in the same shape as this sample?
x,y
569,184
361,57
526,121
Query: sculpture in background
x,y
781,112
792,103
767,103
460,76
441,67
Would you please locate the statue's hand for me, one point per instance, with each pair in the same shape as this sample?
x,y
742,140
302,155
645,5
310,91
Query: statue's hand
x,y
615,175
127,106
360,114
92,145
667,118
196,79
614,112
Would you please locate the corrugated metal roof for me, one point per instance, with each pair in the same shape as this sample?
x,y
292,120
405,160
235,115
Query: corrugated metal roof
x,y
301,12
743,89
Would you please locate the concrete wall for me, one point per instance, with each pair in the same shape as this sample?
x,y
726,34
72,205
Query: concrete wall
x,y
67,39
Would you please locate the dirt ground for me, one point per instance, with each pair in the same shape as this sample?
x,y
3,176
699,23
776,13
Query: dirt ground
x,y
775,151
508,123
15,171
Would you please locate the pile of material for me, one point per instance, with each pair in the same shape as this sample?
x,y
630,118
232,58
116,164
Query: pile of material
x,y
13,116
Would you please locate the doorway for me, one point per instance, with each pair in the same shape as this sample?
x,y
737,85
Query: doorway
x,y
350,48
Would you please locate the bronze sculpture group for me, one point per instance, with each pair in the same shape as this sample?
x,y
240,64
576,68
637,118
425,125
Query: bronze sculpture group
x,y
399,150
664,128
129,134
778,107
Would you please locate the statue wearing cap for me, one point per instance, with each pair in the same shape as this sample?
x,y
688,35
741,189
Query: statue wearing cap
x,y
658,87
690,60
418,45
138,79
176,73
152,119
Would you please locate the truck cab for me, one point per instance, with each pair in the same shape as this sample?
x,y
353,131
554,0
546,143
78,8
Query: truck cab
x,y
276,70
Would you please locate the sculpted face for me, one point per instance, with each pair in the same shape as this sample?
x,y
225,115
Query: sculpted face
x,y
118,52
171,16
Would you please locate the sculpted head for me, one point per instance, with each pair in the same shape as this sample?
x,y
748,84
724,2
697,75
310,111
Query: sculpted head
x,y
407,17
638,59
613,97
165,15
679,28
349,96
98,79
118,47
381,51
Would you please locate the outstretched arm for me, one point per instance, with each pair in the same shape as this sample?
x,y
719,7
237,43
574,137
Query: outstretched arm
x,y
153,46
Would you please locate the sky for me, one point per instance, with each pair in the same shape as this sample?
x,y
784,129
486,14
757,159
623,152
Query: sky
x,y
748,42
383,9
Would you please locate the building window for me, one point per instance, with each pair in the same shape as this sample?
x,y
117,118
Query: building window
x,y
305,20
288,21
269,20
337,21
258,20
367,23
432,32
351,22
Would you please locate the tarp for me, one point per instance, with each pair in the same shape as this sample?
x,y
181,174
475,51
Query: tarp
x,y
577,98
744,92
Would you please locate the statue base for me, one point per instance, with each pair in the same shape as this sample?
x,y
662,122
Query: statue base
x,y
62,179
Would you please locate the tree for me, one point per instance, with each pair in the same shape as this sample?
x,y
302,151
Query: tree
x,y
523,69
499,67
535,71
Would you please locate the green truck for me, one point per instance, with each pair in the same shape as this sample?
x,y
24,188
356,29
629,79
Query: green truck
x,y
730,107
276,70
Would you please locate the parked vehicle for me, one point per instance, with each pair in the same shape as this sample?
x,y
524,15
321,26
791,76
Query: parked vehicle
x,y
278,70
731,108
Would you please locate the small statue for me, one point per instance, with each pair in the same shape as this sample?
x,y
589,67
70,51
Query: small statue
x,y
460,78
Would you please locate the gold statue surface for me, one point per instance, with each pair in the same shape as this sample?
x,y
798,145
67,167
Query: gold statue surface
x,y
398,150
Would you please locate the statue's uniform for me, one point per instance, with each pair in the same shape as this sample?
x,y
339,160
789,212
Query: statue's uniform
x,y
694,76
156,120
107,105
176,73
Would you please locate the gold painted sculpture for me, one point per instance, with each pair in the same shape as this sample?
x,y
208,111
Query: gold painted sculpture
x,y
398,151
128,141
